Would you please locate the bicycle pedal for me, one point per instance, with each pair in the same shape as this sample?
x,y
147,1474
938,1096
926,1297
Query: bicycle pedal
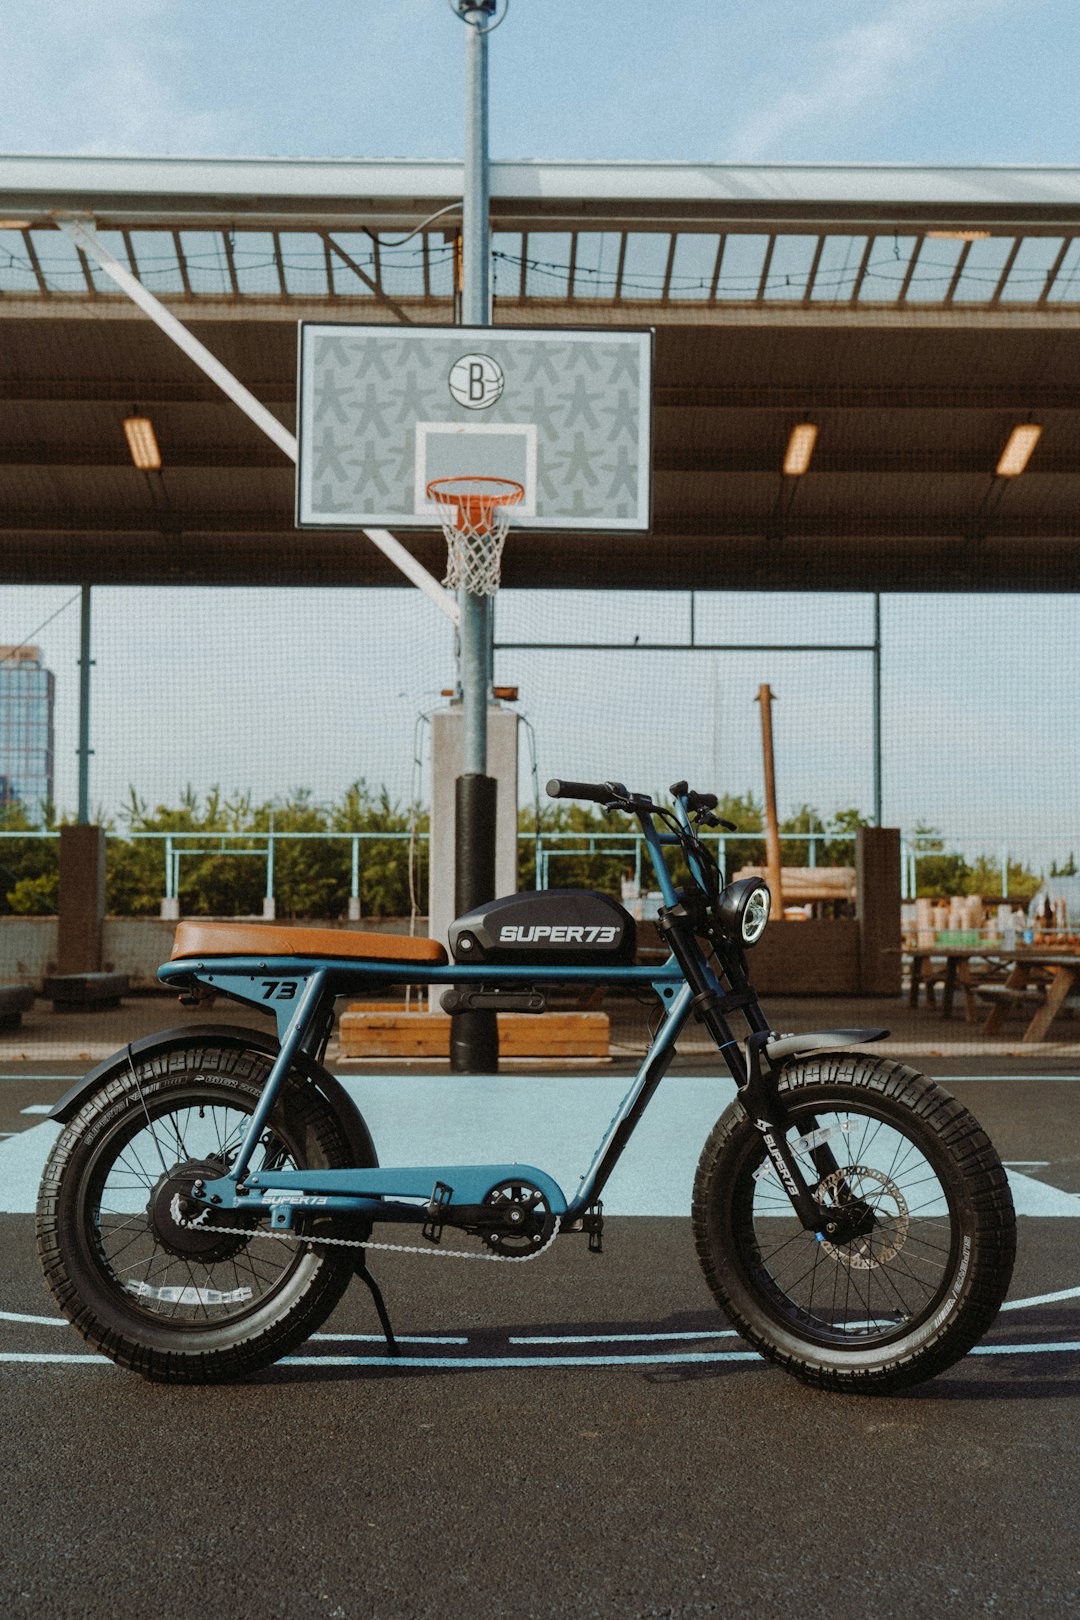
x,y
441,1196
593,1222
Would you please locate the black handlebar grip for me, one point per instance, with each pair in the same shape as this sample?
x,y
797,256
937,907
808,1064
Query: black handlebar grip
x,y
598,792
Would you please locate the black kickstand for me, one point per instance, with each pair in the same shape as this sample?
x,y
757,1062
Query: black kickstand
x,y
362,1271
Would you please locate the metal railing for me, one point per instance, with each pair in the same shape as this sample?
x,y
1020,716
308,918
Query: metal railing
x,y
550,848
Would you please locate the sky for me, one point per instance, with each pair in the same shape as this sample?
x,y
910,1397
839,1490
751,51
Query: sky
x,y
915,81
972,742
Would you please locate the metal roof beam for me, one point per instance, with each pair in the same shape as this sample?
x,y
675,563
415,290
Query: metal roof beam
x,y
812,277
373,286
35,264
182,262
1054,268
326,194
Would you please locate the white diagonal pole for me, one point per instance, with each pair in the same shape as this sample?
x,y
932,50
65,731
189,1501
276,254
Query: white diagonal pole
x,y
79,232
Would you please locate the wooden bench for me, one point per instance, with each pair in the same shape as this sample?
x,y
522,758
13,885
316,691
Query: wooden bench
x,y
364,1032
1028,995
15,999
85,992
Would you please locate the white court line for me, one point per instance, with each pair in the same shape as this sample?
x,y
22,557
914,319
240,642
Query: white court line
x,y
380,1338
497,1363
43,1321
86,1359
615,1338
544,1338
1041,1299
346,1338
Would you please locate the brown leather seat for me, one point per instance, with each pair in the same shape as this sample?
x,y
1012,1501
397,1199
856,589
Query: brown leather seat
x,y
265,940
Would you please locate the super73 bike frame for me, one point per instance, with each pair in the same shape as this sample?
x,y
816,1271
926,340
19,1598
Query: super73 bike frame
x,y
301,993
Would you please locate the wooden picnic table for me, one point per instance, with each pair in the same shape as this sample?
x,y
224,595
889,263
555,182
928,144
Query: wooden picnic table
x,y
1024,967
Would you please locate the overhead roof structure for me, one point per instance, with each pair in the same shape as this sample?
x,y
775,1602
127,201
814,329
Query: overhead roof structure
x,y
914,315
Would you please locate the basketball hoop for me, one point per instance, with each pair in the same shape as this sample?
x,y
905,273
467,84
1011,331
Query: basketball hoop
x,y
475,515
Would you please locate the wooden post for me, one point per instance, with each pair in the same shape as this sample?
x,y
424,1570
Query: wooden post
x,y
877,904
82,899
772,828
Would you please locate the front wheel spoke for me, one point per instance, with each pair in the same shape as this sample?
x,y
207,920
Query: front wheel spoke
x,y
789,1288
915,1240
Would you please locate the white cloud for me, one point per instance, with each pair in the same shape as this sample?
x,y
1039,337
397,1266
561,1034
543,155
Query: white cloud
x,y
868,65
106,76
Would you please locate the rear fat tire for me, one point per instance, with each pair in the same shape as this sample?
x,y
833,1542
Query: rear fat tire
x,y
73,1257
976,1259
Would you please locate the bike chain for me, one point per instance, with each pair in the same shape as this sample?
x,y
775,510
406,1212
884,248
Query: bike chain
x,y
346,1243
366,1243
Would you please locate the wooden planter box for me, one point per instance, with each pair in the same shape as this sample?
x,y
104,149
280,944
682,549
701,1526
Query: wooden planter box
x,y
367,1032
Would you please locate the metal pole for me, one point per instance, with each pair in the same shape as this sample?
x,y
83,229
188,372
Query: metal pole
x,y
84,750
772,834
877,708
474,1039
475,311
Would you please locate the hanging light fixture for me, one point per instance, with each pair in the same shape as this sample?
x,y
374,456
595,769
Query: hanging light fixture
x,y
142,442
800,448
1017,452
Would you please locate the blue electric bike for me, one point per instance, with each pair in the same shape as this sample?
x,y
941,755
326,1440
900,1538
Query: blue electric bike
x,y
213,1192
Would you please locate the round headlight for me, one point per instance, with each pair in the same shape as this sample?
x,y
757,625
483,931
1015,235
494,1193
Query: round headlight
x,y
755,914
744,910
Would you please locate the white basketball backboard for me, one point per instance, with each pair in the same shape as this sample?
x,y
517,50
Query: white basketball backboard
x,y
384,410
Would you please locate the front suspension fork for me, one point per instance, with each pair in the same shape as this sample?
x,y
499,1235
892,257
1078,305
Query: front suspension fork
x,y
756,1089
760,1101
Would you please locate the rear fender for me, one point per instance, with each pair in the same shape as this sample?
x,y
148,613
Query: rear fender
x,y
170,1040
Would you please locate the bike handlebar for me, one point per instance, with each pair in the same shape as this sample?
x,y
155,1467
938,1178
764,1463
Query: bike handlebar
x,y
598,792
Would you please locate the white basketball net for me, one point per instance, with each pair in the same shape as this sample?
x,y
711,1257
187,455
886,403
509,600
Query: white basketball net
x,y
475,517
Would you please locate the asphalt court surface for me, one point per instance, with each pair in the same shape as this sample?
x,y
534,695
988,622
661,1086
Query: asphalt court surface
x,y
581,1436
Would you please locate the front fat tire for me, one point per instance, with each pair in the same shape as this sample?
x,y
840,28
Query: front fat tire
x,y
981,1224
88,1291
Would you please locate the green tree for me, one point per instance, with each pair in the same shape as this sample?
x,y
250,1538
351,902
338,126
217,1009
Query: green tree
x,y
212,881
940,873
985,878
393,871
226,877
578,860
29,867
748,814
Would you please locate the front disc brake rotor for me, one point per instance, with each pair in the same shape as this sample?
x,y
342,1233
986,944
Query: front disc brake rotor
x,y
884,1198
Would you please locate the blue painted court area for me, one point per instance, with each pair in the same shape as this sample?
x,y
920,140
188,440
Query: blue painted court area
x,y
552,1121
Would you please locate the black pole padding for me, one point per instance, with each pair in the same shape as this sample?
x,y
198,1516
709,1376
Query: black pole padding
x,y
474,1036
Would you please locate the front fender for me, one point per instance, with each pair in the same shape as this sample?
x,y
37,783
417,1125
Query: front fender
x,y
168,1040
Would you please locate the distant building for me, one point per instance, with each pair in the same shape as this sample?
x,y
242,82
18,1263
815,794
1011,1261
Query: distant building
x,y
27,699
